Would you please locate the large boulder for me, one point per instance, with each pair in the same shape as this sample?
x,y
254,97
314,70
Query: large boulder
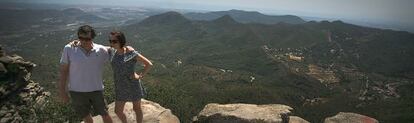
x,y
20,97
15,74
246,113
21,106
153,113
345,117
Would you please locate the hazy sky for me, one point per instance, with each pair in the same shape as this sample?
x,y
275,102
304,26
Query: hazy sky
x,y
396,11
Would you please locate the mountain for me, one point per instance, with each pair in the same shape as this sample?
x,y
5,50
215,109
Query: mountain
x,y
26,19
72,11
246,17
225,20
366,48
313,66
317,68
166,18
164,26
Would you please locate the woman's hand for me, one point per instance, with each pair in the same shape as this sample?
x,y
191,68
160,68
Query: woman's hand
x,y
136,76
74,43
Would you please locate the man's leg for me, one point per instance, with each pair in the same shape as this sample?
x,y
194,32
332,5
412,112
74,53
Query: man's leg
x,y
99,105
81,105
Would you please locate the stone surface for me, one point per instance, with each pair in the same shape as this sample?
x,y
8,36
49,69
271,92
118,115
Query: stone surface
x,y
296,119
17,92
345,117
246,113
153,113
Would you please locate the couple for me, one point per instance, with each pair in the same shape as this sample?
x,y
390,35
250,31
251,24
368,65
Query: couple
x,y
81,71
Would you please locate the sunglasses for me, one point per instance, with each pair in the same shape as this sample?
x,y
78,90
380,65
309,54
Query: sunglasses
x,y
113,41
85,39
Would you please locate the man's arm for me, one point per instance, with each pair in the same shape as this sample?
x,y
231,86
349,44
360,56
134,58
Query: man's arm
x,y
63,93
64,73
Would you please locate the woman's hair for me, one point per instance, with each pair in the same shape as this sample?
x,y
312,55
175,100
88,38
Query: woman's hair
x,y
86,30
120,37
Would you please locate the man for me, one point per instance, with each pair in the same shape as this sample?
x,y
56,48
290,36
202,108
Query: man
x,y
82,67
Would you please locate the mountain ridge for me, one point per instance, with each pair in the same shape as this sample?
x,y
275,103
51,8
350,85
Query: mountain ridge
x,y
246,17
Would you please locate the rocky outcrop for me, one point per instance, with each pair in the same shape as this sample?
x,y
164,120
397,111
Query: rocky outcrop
x,y
270,113
20,97
344,117
246,113
153,113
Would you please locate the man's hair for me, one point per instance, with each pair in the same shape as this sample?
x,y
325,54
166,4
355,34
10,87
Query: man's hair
x,y
120,37
86,30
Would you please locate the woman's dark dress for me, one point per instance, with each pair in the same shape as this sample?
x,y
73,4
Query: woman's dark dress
x,y
123,66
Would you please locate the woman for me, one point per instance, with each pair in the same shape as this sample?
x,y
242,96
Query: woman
x,y
128,87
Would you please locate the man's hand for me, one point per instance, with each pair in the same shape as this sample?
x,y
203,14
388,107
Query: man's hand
x,y
129,48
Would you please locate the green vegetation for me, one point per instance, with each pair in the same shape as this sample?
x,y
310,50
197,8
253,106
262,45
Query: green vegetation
x,y
219,57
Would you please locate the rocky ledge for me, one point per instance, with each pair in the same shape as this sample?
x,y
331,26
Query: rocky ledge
x,y
153,113
20,97
270,113
246,113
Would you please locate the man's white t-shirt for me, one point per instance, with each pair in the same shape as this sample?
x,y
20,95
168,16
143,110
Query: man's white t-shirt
x,y
85,71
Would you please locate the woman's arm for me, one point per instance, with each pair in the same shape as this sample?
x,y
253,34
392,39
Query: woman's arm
x,y
147,66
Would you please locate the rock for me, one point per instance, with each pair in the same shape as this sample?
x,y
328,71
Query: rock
x,y
16,58
295,58
153,113
345,117
8,115
6,119
4,107
3,69
18,118
31,85
315,101
46,93
2,91
246,113
40,101
2,113
16,83
16,114
6,59
296,119
23,95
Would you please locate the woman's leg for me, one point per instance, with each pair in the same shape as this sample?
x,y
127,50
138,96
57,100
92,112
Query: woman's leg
x,y
119,110
138,110
88,119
